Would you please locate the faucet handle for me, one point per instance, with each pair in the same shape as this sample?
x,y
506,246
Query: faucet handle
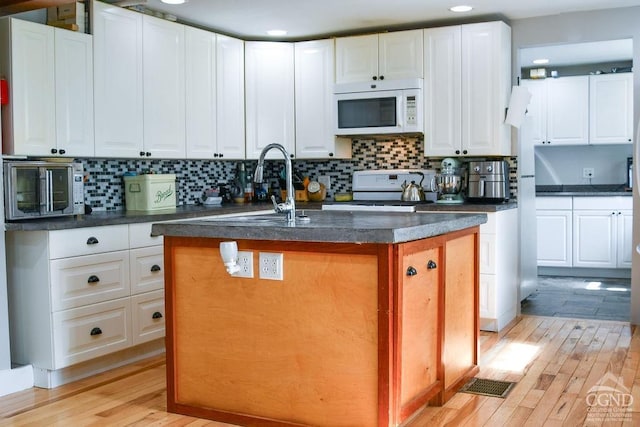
x,y
275,204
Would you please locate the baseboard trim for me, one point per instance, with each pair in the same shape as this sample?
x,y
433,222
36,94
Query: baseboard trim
x,y
605,273
17,379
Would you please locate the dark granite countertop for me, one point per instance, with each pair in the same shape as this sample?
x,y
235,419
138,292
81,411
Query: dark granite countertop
x,y
467,207
327,226
596,190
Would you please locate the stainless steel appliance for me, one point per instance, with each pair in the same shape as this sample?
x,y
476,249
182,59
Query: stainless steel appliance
x,y
37,189
488,181
382,107
449,182
381,190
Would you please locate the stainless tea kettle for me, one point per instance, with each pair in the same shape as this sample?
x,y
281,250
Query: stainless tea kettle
x,y
413,192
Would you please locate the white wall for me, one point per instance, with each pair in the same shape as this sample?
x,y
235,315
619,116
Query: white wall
x,y
579,27
563,164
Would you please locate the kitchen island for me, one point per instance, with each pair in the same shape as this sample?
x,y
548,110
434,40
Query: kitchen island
x,y
375,317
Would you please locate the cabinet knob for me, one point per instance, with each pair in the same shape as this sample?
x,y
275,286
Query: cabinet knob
x,y
431,265
62,151
330,154
156,315
215,154
291,155
411,271
142,154
381,77
92,241
457,151
93,279
54,151
148,154
155,267
464,151
221,155
95,331
375,77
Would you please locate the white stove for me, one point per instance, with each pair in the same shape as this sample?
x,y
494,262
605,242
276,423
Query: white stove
x,y
381,190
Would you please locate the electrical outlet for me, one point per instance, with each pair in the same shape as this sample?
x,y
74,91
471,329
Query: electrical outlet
x,y
271,266
245,262
326,180
588,173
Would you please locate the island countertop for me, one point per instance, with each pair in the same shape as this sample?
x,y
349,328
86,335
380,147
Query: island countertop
x,y
326,226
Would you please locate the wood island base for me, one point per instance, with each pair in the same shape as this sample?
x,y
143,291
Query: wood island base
x,y
355,334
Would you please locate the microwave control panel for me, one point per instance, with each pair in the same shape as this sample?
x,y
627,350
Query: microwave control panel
x,y
411,110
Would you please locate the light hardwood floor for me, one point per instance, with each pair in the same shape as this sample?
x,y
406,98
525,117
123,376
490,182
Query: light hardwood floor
x,y
556,362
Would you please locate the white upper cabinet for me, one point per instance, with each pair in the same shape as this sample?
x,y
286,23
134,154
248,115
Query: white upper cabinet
x,y
442,90
269,82
74,93
390,56
230,97
568,110
467,86
117,37
537,110
49,71
611,108
314,76
200,85
164,88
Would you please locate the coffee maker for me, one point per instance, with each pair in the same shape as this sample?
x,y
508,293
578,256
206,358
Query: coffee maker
x,y
488,181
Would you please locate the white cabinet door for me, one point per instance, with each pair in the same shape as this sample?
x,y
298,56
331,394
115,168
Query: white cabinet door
x,y
32,85
568,110
230,102
200,86
314,76
74,93
357,59
537,110
164,90
400,55
611,108
625,242
594,238
117,38
554,238
442,91
486,84
269,81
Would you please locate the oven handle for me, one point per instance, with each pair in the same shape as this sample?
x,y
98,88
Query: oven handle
x,y
49,191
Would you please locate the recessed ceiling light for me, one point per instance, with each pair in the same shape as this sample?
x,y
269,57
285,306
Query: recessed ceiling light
x,y
277,33
460,9
173,1
541,61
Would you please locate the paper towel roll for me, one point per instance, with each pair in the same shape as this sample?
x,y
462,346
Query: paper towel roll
x,y
518,102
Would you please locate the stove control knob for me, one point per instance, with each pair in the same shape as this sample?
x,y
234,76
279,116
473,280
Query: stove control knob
x,y
489,168
476,169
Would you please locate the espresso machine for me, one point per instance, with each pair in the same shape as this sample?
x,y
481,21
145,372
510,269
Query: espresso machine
x,y
488,181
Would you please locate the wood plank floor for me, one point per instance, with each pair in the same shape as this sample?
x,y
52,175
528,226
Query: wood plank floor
x,y
556,363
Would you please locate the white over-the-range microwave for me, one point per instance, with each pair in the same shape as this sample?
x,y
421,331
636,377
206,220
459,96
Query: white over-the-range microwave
x,y
379,107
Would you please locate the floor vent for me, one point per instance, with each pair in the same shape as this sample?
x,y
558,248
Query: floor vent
x,y
487,387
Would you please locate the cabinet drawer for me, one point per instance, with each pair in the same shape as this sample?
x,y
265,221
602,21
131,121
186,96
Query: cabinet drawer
x,y
147,269
89,279
147,316
88,332
87,241
140,236
600,203
561,203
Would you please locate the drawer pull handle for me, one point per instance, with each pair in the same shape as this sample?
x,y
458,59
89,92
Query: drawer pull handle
x,y
96,331
156,315
411,271
431,265
155,267
92,241
93,279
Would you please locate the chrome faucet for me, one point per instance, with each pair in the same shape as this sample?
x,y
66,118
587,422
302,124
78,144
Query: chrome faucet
x,y
289,205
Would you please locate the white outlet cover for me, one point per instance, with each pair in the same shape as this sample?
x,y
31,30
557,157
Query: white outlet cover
x,y
245,262
271,266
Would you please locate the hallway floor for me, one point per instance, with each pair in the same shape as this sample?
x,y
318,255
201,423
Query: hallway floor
x,y
580,297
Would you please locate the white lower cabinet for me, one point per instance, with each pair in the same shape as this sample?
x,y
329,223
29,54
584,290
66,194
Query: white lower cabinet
x,y
82,294
584,232
554,231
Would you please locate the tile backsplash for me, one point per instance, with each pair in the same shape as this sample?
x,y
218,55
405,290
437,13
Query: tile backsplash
x,y
104,187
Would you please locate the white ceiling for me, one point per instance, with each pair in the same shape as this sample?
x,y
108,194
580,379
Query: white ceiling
x,y
304,19
579,53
